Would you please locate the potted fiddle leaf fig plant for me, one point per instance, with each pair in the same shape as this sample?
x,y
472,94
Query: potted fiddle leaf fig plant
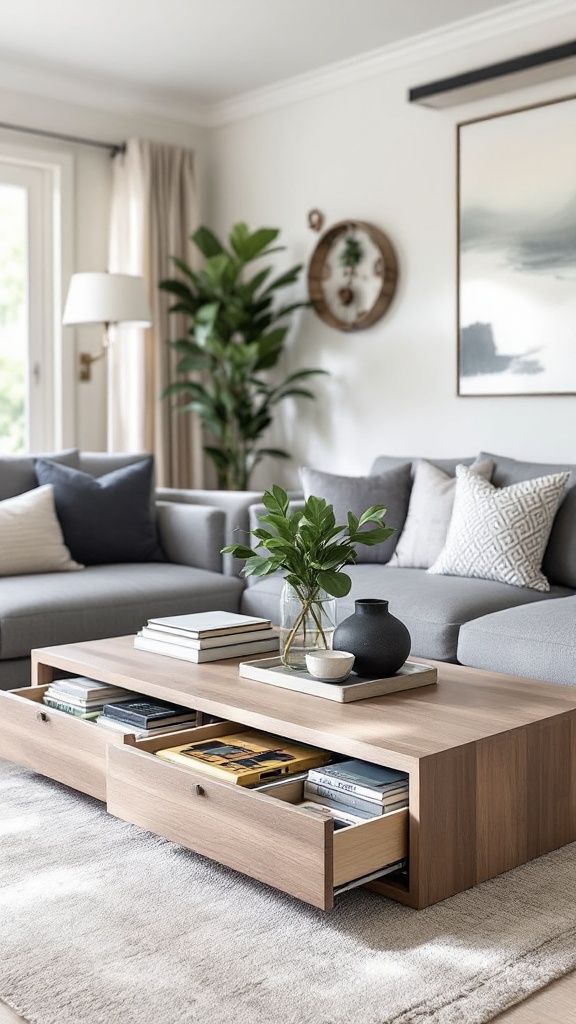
x,y
237,330
311,548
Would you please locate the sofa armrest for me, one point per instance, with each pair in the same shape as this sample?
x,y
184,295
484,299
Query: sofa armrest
x,y
191,535
235,507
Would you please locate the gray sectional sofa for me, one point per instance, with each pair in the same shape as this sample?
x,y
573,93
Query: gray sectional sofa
x,y
110,598
477,622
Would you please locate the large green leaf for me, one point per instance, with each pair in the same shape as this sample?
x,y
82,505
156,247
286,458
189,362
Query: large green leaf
x,y
289,277
220,459
248,246
180,289
337,584
207,242
185,269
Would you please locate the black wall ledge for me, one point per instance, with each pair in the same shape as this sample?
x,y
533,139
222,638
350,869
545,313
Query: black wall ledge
x,y
515,73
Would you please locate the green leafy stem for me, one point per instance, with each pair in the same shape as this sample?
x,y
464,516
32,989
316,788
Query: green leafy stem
x,y
310,547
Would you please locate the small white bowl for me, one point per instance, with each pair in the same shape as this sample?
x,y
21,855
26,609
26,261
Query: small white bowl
x,y
330,666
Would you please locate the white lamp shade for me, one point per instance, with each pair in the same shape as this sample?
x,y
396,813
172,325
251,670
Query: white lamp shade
x,y
99,298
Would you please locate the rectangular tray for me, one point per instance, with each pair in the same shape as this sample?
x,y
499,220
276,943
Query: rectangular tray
x,y
271,670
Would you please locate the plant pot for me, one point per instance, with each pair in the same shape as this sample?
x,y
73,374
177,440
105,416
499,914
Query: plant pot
x,y
379,641
307,623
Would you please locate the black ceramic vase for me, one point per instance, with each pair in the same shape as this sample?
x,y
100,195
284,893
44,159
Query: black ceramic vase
x,y
377,639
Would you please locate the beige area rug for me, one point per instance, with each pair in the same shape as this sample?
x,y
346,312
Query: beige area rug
x,y
101,923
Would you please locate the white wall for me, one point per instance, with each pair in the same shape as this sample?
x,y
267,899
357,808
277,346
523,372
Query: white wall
x,y
92,188
361,151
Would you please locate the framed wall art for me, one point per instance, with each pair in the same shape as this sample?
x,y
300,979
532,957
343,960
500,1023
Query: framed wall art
x,y
517,252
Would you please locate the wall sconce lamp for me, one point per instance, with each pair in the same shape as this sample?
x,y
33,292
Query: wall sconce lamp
x,y
106,299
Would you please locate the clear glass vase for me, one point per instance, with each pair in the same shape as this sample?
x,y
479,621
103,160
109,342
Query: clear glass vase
x,y
307,623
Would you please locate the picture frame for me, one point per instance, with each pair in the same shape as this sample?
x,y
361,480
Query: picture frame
x,y
516,261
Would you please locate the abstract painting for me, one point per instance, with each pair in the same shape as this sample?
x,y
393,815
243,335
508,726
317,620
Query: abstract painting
x,y
517,252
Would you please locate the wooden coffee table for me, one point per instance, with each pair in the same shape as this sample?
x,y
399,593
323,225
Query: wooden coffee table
x,y
491,761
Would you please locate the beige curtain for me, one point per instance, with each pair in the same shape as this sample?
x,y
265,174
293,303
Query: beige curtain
x,y
153,215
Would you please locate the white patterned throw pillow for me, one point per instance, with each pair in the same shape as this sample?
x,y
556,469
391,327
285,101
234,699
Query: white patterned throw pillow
x,y
500,533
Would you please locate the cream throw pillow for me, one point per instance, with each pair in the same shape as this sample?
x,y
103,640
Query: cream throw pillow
x,y
429,513
500,533
30,535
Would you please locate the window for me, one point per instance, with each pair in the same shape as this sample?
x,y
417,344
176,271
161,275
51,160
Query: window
x,y
31,271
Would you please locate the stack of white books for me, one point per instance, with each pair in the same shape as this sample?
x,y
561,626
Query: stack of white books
x,y
207,636
83,697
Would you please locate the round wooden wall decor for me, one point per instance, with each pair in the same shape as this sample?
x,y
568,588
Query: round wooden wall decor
x,y
352,275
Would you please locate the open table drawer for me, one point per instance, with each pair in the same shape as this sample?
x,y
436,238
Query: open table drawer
x,y
53,743
260,834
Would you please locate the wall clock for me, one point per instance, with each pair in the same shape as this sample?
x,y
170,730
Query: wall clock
x,y
352,275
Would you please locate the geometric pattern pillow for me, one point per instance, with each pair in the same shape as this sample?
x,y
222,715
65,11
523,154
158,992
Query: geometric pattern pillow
x,y
500,533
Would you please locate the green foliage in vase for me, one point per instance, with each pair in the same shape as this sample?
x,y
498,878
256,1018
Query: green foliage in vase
x,y
309,546
236,335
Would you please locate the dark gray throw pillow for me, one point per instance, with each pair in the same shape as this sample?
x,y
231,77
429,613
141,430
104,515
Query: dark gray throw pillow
x,y
105,519
357,493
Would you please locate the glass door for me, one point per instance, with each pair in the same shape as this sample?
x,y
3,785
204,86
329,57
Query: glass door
x,y
26,309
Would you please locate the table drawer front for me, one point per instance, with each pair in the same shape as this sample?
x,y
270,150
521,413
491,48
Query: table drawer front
x,y
242,829
51,742
252,832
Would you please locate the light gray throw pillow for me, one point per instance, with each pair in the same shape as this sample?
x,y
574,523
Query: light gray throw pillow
x,y
357,493
429,513
500,533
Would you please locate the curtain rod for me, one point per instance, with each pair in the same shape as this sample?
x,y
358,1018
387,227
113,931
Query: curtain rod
x,y
114,147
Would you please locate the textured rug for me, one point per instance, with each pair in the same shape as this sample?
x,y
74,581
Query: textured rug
x,y
102,923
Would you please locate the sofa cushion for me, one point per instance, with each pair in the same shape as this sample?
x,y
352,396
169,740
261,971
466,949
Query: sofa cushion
x,y
105,519
17,472
385,462
535,641
31,538
500,533
432,607
357,493
429,514
559,561
99,463
104,600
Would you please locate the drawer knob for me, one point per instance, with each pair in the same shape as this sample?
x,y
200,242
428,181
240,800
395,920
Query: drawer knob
x,y
42,716
200,791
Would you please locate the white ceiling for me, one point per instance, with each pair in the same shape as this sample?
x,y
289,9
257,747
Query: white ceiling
x,y
208,51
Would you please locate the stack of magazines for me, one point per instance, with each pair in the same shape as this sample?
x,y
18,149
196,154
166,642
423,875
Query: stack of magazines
x,y
355,790
207,636
245,758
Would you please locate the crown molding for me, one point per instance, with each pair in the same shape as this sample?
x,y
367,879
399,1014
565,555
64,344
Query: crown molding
x,y
457,35
106,95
